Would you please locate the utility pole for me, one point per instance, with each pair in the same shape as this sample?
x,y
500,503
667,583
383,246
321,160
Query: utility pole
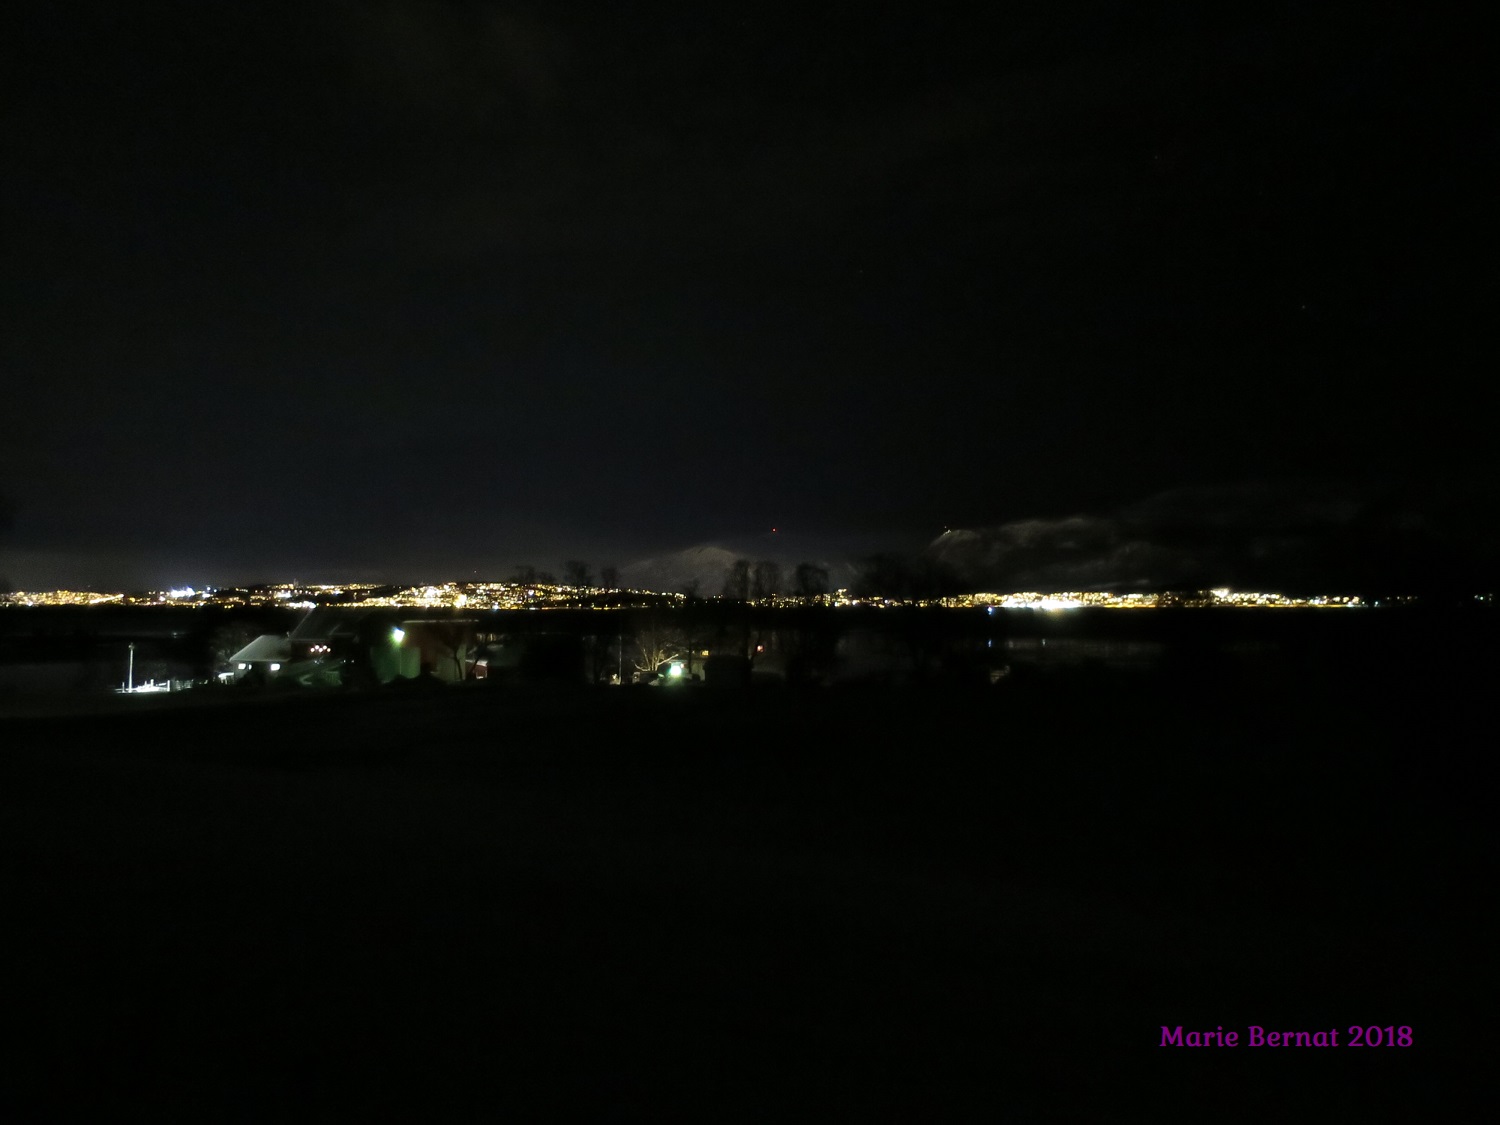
x,y
130,669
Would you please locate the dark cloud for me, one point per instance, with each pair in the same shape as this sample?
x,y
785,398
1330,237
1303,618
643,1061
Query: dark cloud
x,y
652,276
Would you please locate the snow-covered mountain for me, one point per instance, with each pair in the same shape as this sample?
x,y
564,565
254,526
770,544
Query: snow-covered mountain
x,y
1077,553
1285,537
705,567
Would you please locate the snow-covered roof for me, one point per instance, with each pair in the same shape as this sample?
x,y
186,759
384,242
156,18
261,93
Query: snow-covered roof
x,y
266,647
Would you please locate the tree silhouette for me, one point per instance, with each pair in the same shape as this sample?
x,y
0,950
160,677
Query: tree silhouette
x,y
576,573
454,638
737,582
811,581
226,640
897,576
883,575
657,643
766,580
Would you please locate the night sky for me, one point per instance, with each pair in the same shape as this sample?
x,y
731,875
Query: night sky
x,y
423,288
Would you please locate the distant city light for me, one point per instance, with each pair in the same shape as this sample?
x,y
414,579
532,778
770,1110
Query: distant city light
x,y
1058,603
534,596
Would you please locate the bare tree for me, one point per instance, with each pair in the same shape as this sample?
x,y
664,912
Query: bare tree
x,y
737,583
599,651
901,576
524,576
657,643
766,580
576,573
454,637
609,577
811,580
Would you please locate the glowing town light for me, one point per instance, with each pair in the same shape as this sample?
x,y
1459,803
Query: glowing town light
x,y
1221,592
275,667
398,635
674,670
1057,603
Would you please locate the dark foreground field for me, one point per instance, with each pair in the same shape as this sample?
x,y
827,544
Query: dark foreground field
x,y
918,904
